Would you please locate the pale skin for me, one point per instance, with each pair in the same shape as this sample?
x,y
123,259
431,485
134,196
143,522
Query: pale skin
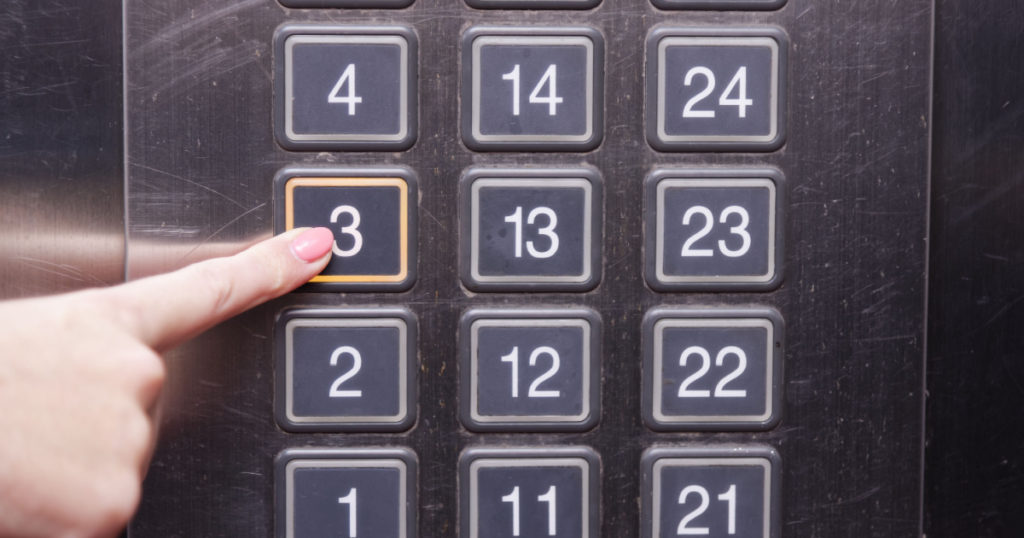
x,y
81,373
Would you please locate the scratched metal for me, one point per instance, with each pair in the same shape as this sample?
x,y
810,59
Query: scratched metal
x,y
200,162
61,183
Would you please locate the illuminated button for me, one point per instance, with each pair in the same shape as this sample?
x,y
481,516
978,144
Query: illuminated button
x,y
532,88
714,491
536,491
713,369
346,370
714,229
340,87
348,493
531,229
530,370
713,89
372,215
719,4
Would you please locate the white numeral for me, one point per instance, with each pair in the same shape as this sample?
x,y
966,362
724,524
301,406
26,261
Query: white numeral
x,y
549,79
549,497
352,229
357,363
709,222
547,231
684,528
348,79
513,498
350,500
535,391
705,357
737,84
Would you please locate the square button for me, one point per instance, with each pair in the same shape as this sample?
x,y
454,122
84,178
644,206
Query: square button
x,y
714,369
529,370
340,87
527,230
347,493
372,214
719,4
714,229
713,89
346,370
714,491
532,88
537,491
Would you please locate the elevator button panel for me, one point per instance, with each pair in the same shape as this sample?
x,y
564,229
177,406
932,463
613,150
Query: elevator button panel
x,y
532,88
346,369
538,491
530,370
372,215
531,229
718,492
346,492
341,87
712,369
714,229
715,89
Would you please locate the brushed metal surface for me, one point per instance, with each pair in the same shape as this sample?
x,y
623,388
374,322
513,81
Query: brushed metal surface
x,y
61,182
200,163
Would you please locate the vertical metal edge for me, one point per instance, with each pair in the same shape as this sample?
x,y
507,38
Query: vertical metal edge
x,y
926,299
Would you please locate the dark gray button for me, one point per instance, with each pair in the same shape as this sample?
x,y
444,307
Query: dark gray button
x,y
711,89
531,229
532,88
529,369
346,369
372,4
719,492
346,492
346,87
713,229
372,215
548,491
719,4
533,4
712,369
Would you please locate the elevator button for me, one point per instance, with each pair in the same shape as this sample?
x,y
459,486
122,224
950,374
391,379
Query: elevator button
x,y
341,87
716,89
532,88
719,4
533,4
346,492
530,370
372,214
531,229
713,229
712,369
537,491
716,491
346,369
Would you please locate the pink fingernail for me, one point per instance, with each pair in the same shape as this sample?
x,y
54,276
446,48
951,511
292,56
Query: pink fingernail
x,y
312,244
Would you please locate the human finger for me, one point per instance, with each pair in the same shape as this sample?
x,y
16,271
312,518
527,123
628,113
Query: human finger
x,y
165,310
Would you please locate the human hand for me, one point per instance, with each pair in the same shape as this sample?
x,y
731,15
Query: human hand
x,y
80,374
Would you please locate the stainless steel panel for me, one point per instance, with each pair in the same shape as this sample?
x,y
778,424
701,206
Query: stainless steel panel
x,y
61,182
200,162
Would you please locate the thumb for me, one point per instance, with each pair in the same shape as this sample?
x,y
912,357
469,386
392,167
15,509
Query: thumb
x,y
165,310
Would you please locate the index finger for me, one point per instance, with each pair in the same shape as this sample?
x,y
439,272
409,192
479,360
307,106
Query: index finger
x,y
165,310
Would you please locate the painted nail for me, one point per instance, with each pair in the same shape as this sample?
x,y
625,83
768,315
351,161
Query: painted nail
x,y
312,244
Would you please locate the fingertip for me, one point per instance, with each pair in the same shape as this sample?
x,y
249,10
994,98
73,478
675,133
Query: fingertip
x,y
312,245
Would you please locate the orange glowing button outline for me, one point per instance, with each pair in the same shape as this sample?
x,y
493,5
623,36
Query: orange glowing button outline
x,y
403,224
